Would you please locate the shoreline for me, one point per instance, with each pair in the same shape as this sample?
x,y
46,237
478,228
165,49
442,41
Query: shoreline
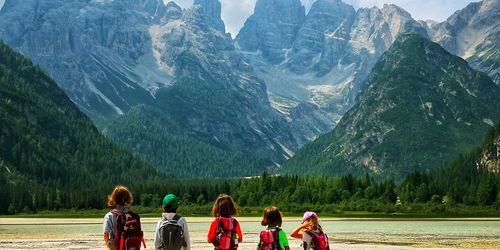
x,y
96,221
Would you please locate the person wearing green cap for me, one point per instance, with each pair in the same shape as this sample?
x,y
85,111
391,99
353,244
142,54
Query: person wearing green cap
x,y
172,231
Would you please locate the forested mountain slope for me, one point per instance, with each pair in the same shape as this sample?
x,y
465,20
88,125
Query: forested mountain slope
x,y
51,155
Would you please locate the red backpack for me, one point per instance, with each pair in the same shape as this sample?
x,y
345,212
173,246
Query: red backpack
x,y
225,236
319,241
128,233
269,240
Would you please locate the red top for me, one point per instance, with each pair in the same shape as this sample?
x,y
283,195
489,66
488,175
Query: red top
x,y
213,229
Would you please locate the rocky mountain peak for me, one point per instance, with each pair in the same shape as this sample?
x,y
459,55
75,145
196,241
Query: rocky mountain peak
x,y
399,20
473,34
325,32
420,81
173,11
272,28
212,12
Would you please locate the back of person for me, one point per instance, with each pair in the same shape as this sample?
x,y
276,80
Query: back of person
x,y
311,233
128,233
171,231
269,239
273,238
121,226
225,232
226,236
316,240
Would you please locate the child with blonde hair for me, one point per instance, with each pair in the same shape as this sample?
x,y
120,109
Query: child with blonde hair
x,y
311,233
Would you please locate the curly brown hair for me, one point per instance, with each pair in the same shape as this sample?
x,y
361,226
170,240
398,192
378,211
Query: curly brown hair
x,y
272,217
224,206
120,196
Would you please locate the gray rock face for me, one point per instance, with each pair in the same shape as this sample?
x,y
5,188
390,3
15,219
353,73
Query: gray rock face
x,y
112,55
212,13
321,40
473,34
272,28
223,103
413,107
332,53
98,51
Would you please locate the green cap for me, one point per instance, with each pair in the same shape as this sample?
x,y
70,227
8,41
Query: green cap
x,y
171,201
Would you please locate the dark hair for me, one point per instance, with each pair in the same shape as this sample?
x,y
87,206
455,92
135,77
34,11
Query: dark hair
x,y
224,206
170,209
120,196
271,217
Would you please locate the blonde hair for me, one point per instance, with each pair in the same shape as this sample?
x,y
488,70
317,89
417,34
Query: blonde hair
x,y
224,206
313,222
120,196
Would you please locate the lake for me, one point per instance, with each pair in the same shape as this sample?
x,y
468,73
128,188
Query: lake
x,y
344,233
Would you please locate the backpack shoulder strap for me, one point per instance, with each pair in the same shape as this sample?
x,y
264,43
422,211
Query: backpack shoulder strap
x,y
176,217
116,212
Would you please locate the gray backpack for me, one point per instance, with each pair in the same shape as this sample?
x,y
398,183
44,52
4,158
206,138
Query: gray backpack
x,y
171,233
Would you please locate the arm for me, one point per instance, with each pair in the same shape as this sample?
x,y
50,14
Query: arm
x,y
238,232
186,234
211,231
299,231
157,235
106,238
106,228
283,240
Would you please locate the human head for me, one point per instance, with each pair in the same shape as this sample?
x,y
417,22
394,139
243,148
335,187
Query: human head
x,y
311,218
308,215
120,197
170,203
271,217
224,206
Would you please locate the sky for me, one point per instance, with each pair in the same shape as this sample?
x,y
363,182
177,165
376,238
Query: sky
x,y
235,12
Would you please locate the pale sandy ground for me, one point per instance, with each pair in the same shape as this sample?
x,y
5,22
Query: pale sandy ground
x,y
86,234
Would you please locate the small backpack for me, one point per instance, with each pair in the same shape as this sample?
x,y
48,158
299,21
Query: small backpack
x,y
225,236
269,240
319,241
128,233
172,234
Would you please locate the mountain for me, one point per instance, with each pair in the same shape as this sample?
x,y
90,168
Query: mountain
x,y
272,28
470,179
98,51
113,55
331,52
489,158
51,150
422,106
147,131
473,33
215,98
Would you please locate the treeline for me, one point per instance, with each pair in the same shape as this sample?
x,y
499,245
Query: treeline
x,y
472,179
51,155
147,131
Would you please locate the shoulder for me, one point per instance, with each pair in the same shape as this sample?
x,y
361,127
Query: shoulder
x,y
109,215
182,220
